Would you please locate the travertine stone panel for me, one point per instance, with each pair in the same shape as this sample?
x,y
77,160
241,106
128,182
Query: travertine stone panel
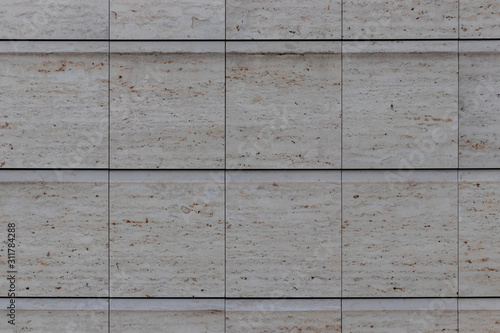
x,y
61,232
399,233
479,315
396,19
167,19
167,234
56,315
479,233
283,19
283,105
399,315
283,234
54,19
269,316
479,19
167,105
168,316
54,104
479,104
400,105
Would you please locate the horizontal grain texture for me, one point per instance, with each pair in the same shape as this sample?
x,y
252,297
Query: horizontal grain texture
x,y
267,316
288,19
400,110
61,236
479,105
282,238
167,238
169,316
167,110
54,110
167,19
399,238
54,19
479,19
479,195
397,19
283,110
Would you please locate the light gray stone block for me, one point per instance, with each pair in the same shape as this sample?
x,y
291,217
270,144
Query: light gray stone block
x,y
54,105
61,232
167,19
479,19
479,233
400,105
283,234
399,233
56,315
54,19
480,315
268,316
399,315
167,105
395,19
167,234
288,19
167,315
479,104
283,105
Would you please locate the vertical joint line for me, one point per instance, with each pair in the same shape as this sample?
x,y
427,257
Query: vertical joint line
x,y
225,161
109,164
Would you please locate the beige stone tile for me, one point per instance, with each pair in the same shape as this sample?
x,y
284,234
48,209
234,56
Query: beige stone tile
x,y
479,315
400,105
167,315
54,103
167,19
399,233
54,19
479,104
283,105
55,315
167,234
395,19
268,316
167,105
283,234
479,19
479,233
399,315
284,19
60,232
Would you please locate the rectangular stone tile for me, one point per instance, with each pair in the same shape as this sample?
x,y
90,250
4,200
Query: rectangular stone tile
x,y
54,19
479,104
399,315
283,234
167,105
297,315
55,315
289,19
394,19
167,19
283,105
399,233
480,315
61,232
54,103
479,19
400,105
167,315
479,218
167,234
